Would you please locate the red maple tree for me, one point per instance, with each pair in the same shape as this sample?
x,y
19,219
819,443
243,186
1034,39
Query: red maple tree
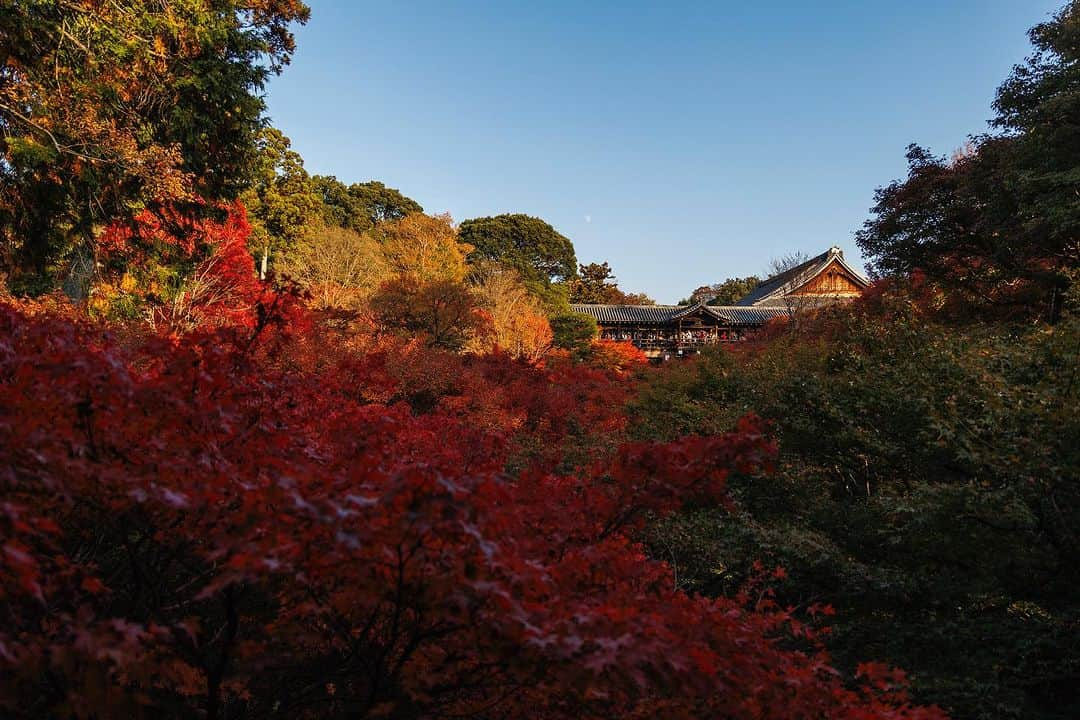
x,y
213,524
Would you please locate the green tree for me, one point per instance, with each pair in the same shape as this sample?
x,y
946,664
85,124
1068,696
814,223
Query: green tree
x,y
595,285
382,204
1040,102
108,107
337,206
573,331
727,292
542,256
732,290
282,202
362,206
926,488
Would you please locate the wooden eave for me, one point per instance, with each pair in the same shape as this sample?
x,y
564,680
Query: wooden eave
x,y
791,281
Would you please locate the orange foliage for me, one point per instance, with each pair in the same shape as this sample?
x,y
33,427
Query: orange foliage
x,y
424,247
615,357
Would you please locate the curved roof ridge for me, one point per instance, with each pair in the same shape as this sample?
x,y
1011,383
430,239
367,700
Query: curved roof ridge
x,y
795,277
688,309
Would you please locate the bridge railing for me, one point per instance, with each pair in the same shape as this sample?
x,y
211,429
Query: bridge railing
x,y
676,343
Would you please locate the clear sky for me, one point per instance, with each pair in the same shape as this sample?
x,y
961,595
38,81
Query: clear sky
x,y
682,142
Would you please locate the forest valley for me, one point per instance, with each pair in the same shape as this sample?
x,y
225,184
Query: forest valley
x,y
277,446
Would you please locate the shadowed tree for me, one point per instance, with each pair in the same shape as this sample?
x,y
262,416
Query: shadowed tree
x,y
443,312
106,108
997,225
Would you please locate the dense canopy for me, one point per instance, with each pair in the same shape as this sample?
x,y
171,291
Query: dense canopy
x,y
274,445
108,108
544,257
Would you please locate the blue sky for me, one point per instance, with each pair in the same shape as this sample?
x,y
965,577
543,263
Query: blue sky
x,y
682,142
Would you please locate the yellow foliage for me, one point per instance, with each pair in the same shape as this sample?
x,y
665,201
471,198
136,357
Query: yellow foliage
x,y
425,248
340,267
519,326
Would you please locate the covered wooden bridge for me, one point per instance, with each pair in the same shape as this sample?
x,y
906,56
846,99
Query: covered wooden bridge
x,y
665,331
673,330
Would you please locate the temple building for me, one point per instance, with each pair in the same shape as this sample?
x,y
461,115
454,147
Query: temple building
x,y
823,280
665,331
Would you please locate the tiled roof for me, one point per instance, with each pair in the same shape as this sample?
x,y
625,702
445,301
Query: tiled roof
x,y
736,315
630,314
794,278
670,314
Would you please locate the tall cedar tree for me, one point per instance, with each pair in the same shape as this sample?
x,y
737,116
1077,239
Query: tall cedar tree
x,y
282,203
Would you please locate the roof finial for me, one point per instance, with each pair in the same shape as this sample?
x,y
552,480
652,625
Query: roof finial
x,y
835,250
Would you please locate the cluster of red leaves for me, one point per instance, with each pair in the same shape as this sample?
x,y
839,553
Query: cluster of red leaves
x,y
892,298
207,250
196,525
561,412
962,294
166,231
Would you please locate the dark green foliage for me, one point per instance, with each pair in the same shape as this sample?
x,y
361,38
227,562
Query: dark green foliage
x,y
543,257
382,204
362,206
595,285
727,292
929,480
1040,104
928,487
573,331
732,290
965,224
338,207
